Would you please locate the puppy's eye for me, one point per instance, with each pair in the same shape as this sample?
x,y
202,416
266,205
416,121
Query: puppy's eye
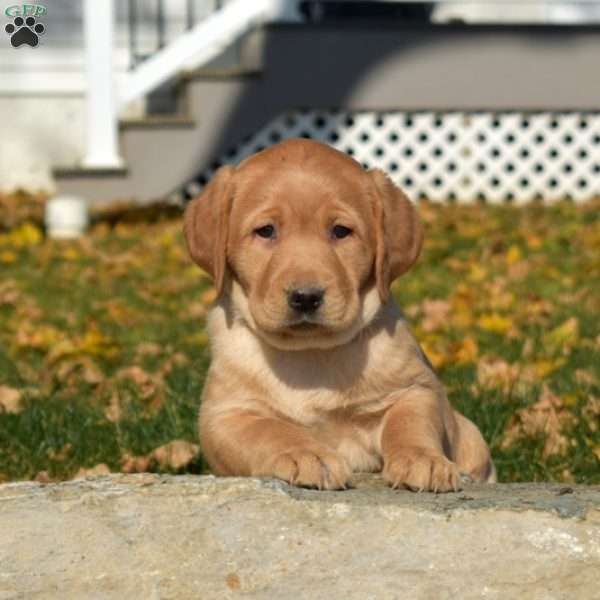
x,y
267,232
339,232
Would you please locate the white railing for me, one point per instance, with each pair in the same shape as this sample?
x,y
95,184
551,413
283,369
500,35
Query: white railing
x,y
190,50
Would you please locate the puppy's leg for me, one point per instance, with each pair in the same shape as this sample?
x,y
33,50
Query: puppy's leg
x,y
249,444
415,437
471,453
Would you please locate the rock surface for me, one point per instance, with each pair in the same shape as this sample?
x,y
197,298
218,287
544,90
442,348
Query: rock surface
x,y
151,537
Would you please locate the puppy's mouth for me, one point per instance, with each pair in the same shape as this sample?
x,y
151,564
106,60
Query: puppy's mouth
x,y
303,325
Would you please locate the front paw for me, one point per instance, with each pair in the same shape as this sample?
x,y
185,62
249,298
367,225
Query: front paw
x,y
421,470
314,467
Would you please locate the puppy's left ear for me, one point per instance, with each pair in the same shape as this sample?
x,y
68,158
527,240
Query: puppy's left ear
x,y
399,233
206,225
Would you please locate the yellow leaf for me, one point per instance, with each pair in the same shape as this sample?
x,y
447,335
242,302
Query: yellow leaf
x,y
467,352
209,296
513,255
61,349
25,235
7,257
495,323
42,337
71,254
569,400
476,273
545,367
97,344
436,358
200,338
166,239
563,337
534,242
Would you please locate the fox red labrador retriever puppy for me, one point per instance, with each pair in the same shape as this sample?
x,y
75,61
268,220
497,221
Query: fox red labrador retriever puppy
x,y
314,372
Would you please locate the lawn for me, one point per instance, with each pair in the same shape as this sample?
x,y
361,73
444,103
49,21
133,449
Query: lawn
x,y
103,350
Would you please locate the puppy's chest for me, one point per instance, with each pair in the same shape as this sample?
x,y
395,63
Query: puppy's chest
x,y
311,391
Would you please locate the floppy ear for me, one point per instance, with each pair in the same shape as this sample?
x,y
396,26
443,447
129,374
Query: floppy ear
x,y
399,233
206,226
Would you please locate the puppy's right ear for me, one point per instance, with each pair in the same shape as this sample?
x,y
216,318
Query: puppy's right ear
x,y
206,225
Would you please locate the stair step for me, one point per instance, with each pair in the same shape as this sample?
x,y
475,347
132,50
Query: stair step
x,y
222,73
73,172
158,122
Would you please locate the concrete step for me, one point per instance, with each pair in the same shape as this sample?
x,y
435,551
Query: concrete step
x,y
151,536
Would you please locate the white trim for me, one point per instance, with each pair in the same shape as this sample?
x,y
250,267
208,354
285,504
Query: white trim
x,y
102,144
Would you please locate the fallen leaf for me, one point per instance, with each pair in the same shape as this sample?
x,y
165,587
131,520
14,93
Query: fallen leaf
x,y
101,469
547,416
25,235
9,292
545,367
175,454
149,349
42,477
41,337
78,369
60,454
114,409
196,310
8,257
200,338
10,400
437,357
135,464
533,241
495,323
563,337
586,378
178,359
149,387
591,412
513,255
567,476
497,373
435,314
477,273
95,343
467,351
209,296
519,270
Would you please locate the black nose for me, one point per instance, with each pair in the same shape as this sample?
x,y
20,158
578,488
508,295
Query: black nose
x,y
306,300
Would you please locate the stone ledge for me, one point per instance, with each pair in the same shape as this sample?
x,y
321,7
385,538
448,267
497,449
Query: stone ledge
x,y
151,536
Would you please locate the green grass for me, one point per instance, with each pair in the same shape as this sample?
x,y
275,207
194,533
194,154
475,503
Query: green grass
x,y
520,286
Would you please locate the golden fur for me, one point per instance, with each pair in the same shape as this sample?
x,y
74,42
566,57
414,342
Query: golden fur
x,y
311,398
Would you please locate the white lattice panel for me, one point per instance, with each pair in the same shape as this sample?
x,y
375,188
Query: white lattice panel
x,y
455,155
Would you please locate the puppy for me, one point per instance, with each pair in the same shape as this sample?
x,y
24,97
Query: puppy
x,y
314,372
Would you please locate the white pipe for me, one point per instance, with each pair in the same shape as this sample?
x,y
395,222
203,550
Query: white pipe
x,y
102,149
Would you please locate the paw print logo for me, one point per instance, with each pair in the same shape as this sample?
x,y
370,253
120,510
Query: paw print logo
x,y
24,31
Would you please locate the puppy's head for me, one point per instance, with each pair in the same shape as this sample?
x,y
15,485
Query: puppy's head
x,y
304,241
